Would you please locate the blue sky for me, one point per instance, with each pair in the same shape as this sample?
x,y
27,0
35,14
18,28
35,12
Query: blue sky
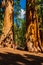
x,y
23,3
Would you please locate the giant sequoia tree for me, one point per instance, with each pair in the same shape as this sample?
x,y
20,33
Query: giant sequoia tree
x,y
7,32
33,41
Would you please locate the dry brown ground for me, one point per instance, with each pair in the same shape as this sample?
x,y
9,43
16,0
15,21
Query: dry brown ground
x,y
10,56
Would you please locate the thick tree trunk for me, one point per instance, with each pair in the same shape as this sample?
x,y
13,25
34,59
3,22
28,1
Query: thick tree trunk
x,y
32,32
7,36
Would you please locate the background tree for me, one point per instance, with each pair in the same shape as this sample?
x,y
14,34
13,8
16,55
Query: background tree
x,y
19,25
16,19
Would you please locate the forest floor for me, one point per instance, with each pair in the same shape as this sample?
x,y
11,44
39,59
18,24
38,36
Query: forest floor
x,y
9,56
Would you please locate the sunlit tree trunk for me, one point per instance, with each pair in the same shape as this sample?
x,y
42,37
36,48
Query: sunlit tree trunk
x,y
7,36
33,41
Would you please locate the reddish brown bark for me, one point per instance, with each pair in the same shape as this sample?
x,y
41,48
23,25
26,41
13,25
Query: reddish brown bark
x,y
32,30
7,36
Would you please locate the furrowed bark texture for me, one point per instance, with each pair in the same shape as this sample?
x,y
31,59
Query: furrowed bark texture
x,y
7,36
33,41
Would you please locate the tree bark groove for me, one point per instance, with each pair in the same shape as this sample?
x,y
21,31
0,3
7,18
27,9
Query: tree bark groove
x,y
7,36
33,40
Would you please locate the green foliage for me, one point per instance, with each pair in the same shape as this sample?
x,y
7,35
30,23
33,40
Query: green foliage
x,y
19,34
17,9
1,20
30,4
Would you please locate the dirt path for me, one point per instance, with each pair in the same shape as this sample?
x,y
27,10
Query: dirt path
x,y
10,56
